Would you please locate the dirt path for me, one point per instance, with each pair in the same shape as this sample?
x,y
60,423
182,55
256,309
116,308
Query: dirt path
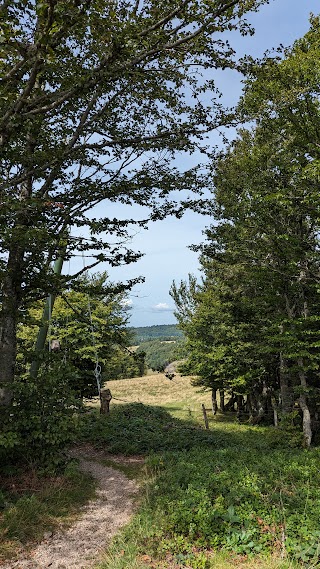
x,y
80,546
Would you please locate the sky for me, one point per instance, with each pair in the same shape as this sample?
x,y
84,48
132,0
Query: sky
x,y
165,243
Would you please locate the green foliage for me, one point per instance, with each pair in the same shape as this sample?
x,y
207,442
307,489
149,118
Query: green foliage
x,y
25,514
94,111
252,325
90,324
43,418
25,520
138,429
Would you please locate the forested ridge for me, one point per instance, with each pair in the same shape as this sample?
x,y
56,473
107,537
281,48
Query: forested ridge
x,y
163,331
160,345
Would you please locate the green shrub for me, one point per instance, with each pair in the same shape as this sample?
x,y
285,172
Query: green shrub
x,y
42,420
236,488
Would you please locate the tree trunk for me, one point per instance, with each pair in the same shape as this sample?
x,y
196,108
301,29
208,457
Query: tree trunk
x,y
306,415
250,408
8,350
214,401
44,328
275,410
239,406
221,393
11,296
230,404
257,405
286,392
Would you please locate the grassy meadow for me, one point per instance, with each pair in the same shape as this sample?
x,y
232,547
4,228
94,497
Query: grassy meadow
x,y
177,396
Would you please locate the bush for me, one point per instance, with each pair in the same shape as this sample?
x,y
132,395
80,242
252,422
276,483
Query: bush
x,y
42,420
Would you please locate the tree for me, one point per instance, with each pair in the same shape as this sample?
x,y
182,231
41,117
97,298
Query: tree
x,y
88,333
96,98
283,93
255,324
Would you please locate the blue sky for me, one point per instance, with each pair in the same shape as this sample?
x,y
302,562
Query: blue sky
x,y
165,244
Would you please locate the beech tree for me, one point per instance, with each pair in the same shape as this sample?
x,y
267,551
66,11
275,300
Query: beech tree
x,y
96,98
255,323
254,328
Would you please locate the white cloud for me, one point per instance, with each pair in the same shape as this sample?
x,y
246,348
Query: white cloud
x,y
163,307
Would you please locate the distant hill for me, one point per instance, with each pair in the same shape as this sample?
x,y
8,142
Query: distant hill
x,y
165,332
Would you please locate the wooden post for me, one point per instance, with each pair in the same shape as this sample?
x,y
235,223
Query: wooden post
x,y
105,398
205,416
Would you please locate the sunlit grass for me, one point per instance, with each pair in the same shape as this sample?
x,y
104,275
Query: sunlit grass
x,y
178,395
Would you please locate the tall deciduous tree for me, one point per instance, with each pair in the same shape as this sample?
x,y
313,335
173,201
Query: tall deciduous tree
x,y
259,306
96,97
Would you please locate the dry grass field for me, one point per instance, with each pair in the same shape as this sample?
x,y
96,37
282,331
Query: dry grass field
x,y
177,395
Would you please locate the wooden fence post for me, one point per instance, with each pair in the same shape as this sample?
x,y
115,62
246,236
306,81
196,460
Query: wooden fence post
x,y
105,398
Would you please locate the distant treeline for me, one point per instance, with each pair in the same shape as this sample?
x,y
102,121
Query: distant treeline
x,y
165,332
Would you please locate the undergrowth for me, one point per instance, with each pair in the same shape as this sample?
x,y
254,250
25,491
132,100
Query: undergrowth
x,y
235,489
